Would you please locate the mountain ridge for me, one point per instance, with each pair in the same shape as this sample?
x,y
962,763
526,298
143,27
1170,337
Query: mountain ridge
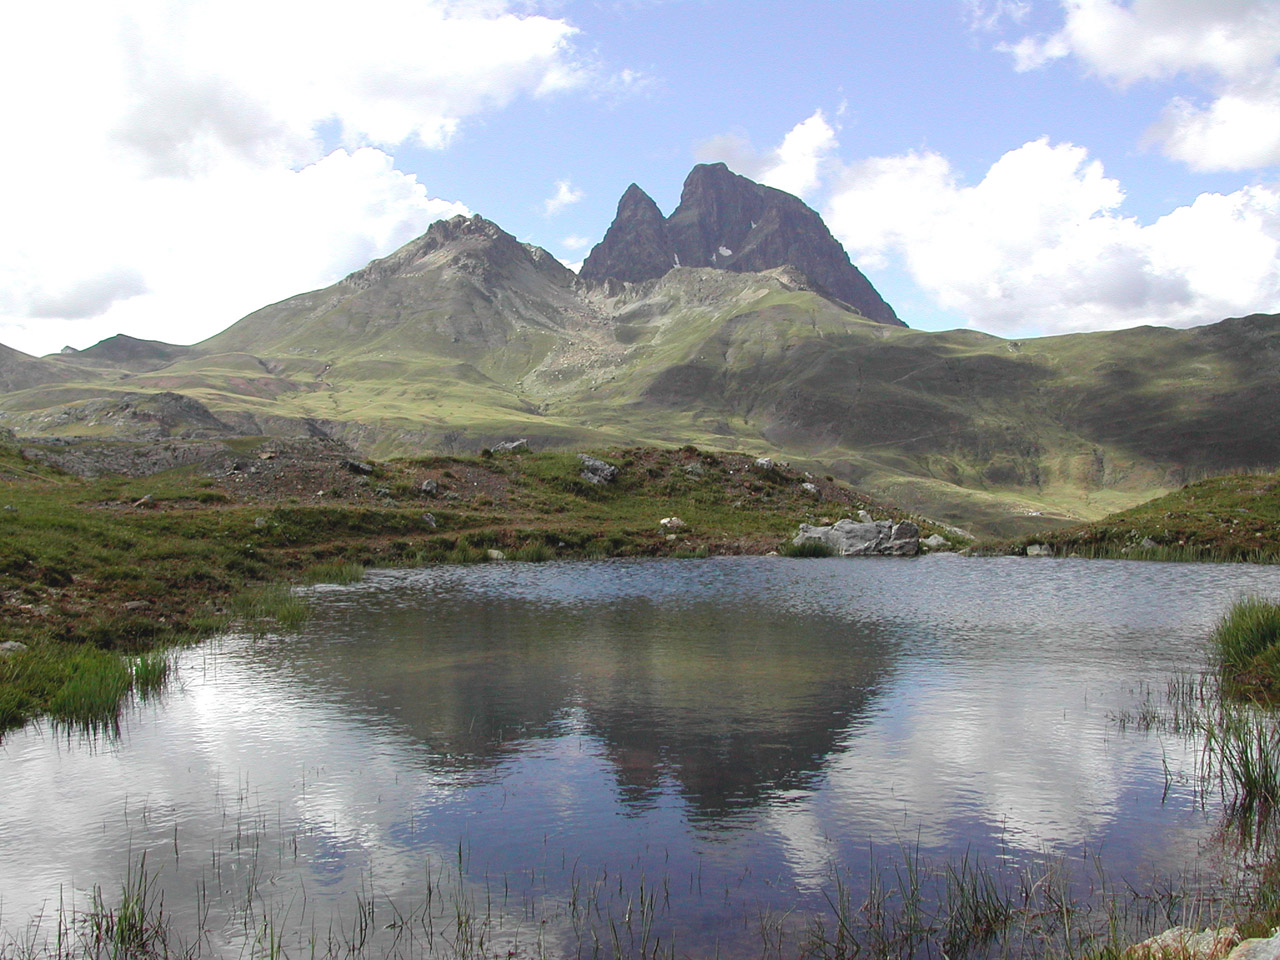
x,y
465,337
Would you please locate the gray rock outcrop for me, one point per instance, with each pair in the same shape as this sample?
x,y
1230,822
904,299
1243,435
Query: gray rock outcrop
x,y
595,470
878,538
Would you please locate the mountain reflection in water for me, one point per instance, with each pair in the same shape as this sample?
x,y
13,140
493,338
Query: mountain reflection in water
x,y
745,729
730,698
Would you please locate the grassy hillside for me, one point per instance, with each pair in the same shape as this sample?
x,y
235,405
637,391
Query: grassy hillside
x,y
466,337
1229,518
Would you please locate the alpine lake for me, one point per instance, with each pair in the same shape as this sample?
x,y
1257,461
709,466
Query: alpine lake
x,y
727,757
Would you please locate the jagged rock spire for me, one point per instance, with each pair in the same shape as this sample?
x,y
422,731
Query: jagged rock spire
x,y
731,223
636,247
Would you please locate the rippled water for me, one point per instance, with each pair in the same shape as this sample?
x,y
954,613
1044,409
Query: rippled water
x,y
724,737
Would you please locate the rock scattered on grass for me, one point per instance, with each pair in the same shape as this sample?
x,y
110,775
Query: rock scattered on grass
x,y
596,471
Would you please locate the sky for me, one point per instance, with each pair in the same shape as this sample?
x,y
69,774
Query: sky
x,y
1021,167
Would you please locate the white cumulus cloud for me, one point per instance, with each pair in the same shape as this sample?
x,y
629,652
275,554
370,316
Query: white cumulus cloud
x,y
1230,47
167,168
213,248
797,165
1040,242
566,195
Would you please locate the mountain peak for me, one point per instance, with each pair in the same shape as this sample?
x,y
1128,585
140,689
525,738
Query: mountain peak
x,y
729,222
636,246
458,233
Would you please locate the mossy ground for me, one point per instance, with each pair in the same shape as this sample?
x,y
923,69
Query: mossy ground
x,y
94,569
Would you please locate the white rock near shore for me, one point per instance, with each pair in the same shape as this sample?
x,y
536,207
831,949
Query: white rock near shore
x,y
875,538
1185,943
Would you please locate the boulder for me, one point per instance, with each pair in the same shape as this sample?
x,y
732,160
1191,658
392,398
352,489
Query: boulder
x,y
935,542
430,487
596,471
495,555
672,523
1039,550
879,538
1260,949
810,488
1185,943
511,446
10,647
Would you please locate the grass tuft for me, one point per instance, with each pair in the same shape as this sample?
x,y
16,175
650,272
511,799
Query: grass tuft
x,y
534,553
341,573
1247,641
465,552
90,694
151,672
807,548
273,602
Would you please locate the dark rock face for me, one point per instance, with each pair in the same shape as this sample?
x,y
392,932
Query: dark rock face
x,y
636,247
729,222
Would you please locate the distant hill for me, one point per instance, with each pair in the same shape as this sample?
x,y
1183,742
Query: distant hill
x,y
18,371
465,337
126,353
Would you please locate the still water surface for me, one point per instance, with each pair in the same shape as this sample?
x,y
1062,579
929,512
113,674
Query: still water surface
x,y
720,739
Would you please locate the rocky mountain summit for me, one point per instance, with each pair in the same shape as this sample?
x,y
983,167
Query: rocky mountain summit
x,y
728,222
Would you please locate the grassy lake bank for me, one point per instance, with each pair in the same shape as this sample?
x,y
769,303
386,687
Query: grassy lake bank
x,y
1225,519
96,569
